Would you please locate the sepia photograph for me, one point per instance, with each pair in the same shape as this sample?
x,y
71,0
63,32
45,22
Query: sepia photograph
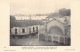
x,y
40,23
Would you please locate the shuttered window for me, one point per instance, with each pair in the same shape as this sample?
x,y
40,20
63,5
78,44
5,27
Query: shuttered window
x,y
23,30
37,28
15,31
33,29
29,30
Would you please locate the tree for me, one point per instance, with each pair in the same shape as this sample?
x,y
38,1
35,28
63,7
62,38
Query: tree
x,y
65,12
62,12
68,12
12,20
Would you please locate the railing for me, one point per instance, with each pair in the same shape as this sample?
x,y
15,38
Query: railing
x,y
58,38
52,38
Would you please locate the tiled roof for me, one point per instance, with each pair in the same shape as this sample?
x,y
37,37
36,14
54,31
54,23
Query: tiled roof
x,y
25,23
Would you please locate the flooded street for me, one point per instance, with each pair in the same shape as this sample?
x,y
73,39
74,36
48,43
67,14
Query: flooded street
x,y
31,41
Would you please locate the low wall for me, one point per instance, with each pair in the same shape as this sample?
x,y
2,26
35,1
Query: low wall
x,y
52,38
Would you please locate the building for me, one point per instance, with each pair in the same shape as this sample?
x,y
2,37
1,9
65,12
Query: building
x,y
25,28
56,29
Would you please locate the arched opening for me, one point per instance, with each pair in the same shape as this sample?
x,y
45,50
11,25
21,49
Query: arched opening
x,y
55,30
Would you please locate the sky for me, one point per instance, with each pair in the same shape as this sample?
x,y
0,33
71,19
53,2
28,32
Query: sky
x,y
37,6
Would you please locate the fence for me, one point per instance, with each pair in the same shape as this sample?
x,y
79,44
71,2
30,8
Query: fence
x,y
52,38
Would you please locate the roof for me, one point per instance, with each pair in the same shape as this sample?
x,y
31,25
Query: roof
x,y
61,20
25,23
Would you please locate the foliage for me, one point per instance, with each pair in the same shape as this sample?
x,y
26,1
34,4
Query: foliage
x,y
62,12
65,12
12,20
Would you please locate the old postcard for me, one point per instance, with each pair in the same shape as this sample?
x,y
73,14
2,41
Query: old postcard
x,y
31,25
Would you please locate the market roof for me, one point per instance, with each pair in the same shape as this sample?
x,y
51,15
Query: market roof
x,y
25,23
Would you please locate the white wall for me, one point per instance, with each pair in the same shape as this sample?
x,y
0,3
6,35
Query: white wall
x,y
19,30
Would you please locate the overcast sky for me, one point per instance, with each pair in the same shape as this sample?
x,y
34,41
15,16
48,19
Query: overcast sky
x,y
37,6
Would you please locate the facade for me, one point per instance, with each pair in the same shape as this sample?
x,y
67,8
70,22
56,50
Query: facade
x,y
25,28
56,30
24,31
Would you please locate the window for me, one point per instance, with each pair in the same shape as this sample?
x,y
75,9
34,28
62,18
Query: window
x,y
37,28
33,29
10,30
29,30
15,31
23,30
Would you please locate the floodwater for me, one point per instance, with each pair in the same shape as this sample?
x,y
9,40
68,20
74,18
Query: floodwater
x,y
31,41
